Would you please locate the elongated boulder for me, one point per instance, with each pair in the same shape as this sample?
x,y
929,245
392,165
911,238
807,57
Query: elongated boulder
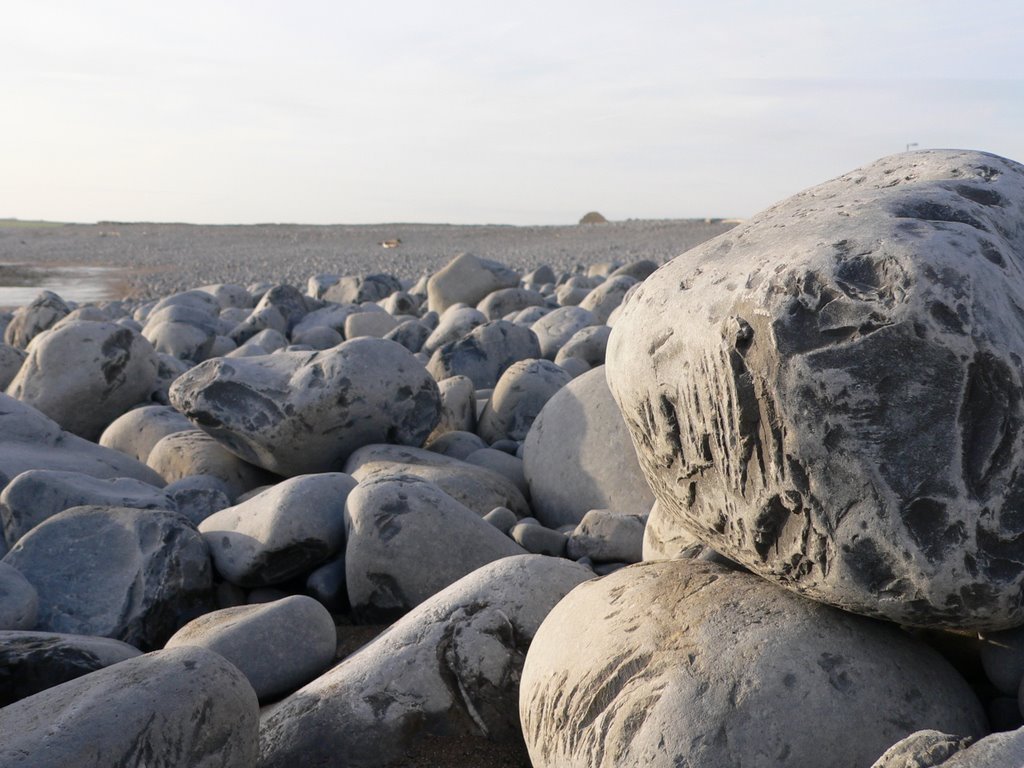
x,y
831,394
186,706
297,413
688,663
450,668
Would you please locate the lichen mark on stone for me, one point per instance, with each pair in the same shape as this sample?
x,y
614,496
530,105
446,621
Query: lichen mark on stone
x,y
116,350
258,410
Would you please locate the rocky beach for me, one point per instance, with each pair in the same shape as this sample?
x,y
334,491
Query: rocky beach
x,y
614,494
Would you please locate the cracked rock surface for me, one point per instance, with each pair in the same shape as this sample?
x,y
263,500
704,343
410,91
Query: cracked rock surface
x,y
831,393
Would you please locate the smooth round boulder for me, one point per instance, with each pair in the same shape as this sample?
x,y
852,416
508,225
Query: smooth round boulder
x,y
19,601
484,353
830,393
588,344
297,413
279,646
578,456
137,431
520,394
467,279
688,663
135,575
607,296
185,706
193,452
556,328
498,304
85,374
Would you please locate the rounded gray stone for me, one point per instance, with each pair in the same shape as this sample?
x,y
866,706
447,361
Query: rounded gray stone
x,y
19,601
606,537
607,296
467,279
137,431
32,319
484,353
193,452
556,328
539,540
520,394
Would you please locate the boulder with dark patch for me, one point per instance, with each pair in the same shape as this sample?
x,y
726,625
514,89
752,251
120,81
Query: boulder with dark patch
x,y
831,393
485,353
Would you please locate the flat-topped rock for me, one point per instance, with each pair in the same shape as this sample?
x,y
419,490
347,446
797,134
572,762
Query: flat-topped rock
x,y
830,393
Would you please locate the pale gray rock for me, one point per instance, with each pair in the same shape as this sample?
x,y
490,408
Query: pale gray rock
x,y
357,289
531,315
138,576
458,406
317,337
375,324
477,487
19,601
193,452
456,321
137,431
197,300
301,412
607,296
456,444
639,270
520,394
186,706
86,374
317,285
557,327
538,540
574,366
281,533
196,497
922,749
578,456
645,667
261,318
998,750
39,494
484,353
31,662
34,318
498,304
606,536
231,317
30,440
332,316
835,403
400,303
278,646
408,540
571,295
11,359
411,334
588,344
505,464
184,341
502,518
467,279
450,667
666,539
228,295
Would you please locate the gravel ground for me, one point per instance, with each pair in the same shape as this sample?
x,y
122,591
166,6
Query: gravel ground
x,y
157,259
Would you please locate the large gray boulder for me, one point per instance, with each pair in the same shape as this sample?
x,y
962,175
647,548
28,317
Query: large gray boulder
x,y
688,663
830,394
30,440
186,706
408,540
450,668
521,393
31,662
302,412
484,353
578,456
135,575
467,279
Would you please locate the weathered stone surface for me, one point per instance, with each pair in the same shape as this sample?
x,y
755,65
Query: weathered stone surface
x,y
468,279
664,540
458,406
831,395
302,412
278,646
134,575
646,667
39,494
84,375
34,318
19,601
477,487
557,327
608,537
450,667
484,353
11,359
577,456
281,533
186,706
522,391
137,431
408,540
31,662
928,749
375,324
30,440
193,452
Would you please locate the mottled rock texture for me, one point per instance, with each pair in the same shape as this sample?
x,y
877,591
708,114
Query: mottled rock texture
x,y
831,394
683,663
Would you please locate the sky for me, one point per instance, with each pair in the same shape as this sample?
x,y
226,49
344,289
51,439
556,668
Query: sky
x,y
344,111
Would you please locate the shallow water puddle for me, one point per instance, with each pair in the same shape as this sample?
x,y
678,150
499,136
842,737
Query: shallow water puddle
x,y
21,283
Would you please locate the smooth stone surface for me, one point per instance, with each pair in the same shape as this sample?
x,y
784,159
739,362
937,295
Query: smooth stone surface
x,y
607,296
375,324
539,540
196,497
31,662
504,464
356,289
39,494
131,574
458,406
450,667
137,431
502,518
520,394
498,304
280,533
278,646
606,537
578,456
588,344
11,359
19,601
193,452
456,444
557,327
30,440
84,375
484,353
478,488
183,707
456,321
687,663
408,540
296,412
411,334
830,393
467,279
326,584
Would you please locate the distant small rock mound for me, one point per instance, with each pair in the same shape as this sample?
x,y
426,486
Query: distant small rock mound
x,y
593,218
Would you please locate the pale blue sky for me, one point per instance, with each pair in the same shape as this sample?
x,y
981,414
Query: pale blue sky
x,y
476,112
